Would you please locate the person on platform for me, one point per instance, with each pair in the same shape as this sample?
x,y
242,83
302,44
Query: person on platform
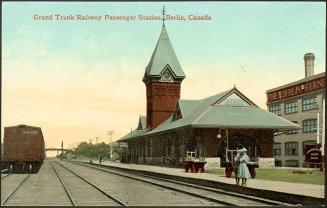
x,y
243,171
100,159
237,164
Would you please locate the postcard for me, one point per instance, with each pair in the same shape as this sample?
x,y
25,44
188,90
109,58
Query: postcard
x,y
163,103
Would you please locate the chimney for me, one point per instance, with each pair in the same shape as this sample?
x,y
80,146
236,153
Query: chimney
x,y
309,64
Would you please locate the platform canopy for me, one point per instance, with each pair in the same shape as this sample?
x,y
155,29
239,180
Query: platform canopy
x,y
230,109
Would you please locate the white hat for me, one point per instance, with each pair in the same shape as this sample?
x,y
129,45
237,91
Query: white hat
x,y
243,150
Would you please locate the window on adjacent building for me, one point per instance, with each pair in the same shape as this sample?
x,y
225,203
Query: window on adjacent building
x,y
292,163
291,107
291,148
309,104
310,125
276,109
306,143
293,131
277,149
278,163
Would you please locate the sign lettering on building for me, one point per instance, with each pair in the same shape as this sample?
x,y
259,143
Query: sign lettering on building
x,y
295,90
30,132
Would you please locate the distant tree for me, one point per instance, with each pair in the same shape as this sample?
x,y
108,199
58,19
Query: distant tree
x,y
95,150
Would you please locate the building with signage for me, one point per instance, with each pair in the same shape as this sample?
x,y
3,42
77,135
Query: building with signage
x,y
173,126
301,102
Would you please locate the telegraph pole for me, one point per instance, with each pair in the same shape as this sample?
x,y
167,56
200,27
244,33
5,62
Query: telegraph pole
x,y
96,139
110,133
62,149
323,129
90,150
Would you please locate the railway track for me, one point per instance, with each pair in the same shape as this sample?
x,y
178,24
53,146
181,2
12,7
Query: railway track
x,y
81,191
11,195
218,196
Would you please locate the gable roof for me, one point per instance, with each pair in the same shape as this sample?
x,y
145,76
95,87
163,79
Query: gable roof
x,y
208,113
163,57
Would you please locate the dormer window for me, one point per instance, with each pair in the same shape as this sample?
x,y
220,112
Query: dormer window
x,y
177,113
142,123
139,127
167,76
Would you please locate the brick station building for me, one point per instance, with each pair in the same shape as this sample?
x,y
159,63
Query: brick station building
x,y
173,126
301,102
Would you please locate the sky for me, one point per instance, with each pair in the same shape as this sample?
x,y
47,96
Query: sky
x,y
78,79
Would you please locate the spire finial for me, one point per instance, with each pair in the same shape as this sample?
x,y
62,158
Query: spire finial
x,y
163,15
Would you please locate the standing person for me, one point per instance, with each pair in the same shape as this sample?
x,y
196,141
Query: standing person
x,y
100,159
237,164
243,171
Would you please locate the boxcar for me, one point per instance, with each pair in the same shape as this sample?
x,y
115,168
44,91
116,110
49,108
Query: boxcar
x,y
23,148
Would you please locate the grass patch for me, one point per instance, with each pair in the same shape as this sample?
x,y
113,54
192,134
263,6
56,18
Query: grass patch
x,y
287,175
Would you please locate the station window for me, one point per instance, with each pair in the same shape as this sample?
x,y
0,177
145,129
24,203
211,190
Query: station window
x,y
278,163
291,148
309,125
277,149
292,163
276,109
291,107
306,143
309,104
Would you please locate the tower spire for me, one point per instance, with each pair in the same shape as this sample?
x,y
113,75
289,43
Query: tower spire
x,y
163,15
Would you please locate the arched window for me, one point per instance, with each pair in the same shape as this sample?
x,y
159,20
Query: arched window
x,y
291,148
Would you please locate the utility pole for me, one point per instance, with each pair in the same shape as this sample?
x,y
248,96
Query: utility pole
x,y
110,133
90,150
62,149
323,129
96,139
318,123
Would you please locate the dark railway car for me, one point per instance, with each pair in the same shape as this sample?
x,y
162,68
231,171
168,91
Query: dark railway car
x,y
23,148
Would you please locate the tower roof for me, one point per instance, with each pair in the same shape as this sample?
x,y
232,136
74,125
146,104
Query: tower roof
x,y
162,56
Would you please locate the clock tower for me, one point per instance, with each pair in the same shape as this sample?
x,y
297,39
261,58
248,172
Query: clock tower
x,y
163,77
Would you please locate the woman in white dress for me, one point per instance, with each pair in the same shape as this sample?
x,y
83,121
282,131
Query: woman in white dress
x,y
243,170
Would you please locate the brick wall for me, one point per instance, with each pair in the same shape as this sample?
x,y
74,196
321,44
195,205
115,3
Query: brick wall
x,y
161,101
176,142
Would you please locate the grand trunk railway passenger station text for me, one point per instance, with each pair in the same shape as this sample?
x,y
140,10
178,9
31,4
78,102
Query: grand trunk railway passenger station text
x,y
107,17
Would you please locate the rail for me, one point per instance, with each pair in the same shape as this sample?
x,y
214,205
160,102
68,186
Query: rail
x,y
16,189
95,186
64,186
266,201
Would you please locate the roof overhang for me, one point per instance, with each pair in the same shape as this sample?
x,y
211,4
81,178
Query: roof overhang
x,y
277,128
